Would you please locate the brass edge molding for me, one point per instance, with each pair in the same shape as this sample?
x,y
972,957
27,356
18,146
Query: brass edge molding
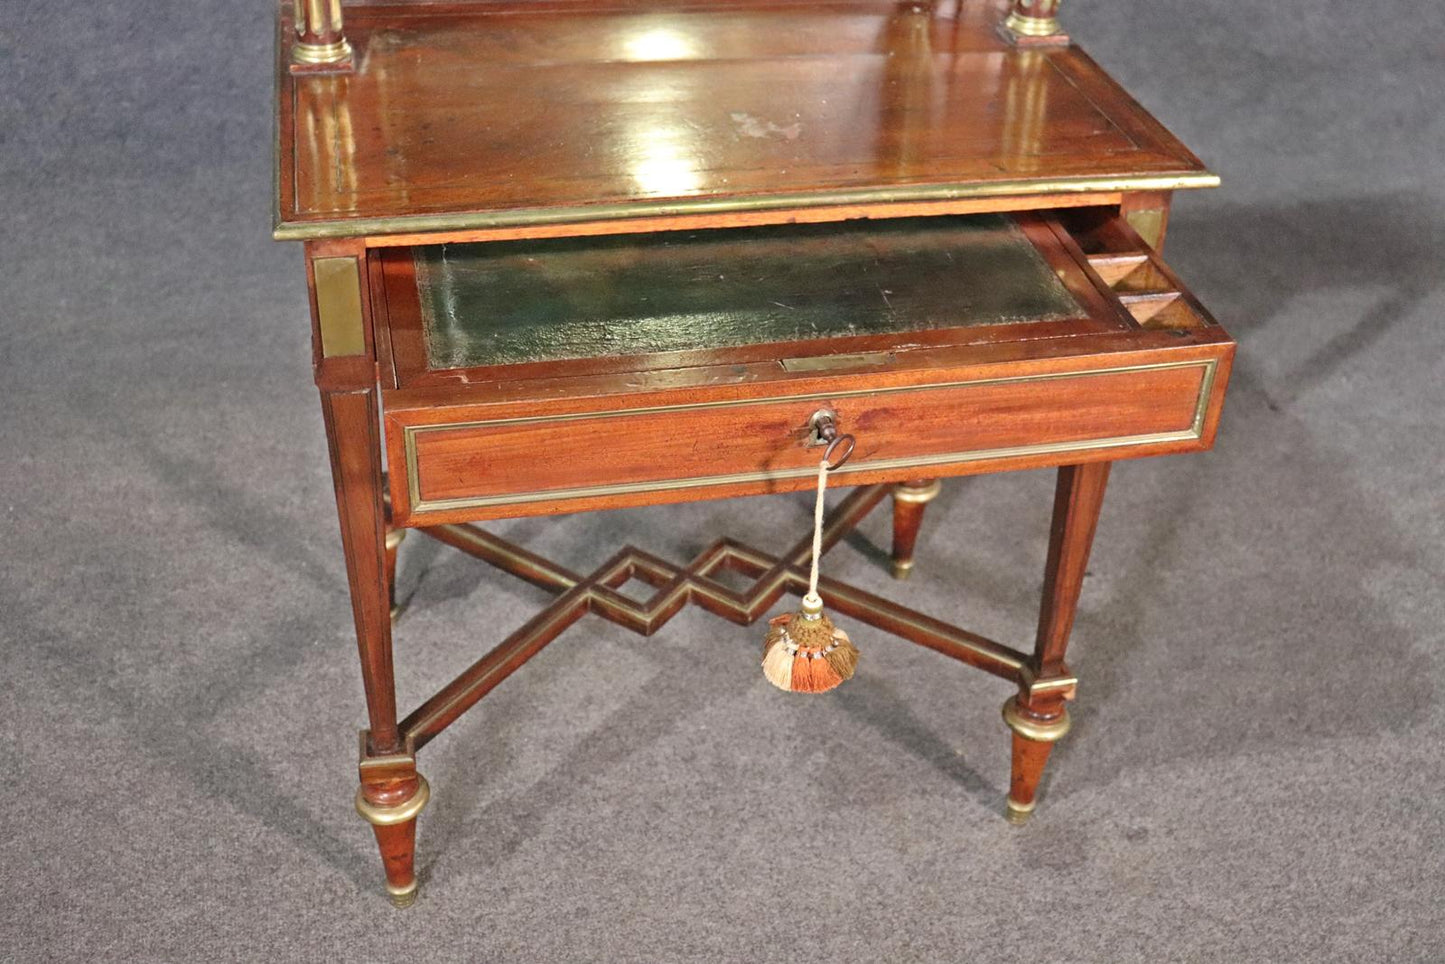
x,y
919,496
418,504
379,816
302,230
1032,729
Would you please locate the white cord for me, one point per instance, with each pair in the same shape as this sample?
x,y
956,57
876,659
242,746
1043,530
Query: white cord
x,y
813,596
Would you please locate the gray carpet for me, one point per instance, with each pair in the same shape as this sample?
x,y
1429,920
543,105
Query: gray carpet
x,y
1256,768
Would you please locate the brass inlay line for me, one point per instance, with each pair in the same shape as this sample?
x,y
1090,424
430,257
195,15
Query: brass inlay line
x,y
418,504
298,230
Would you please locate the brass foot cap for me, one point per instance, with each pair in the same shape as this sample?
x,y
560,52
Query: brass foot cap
x,y
402,896
1018,813
902,570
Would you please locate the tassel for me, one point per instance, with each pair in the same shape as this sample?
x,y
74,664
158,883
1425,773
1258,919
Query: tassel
x,y
804,652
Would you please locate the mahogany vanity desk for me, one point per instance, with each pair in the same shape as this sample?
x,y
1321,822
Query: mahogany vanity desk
x,y
552,245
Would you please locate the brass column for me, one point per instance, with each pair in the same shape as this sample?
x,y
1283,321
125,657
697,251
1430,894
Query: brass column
x,y
1035,21
319,38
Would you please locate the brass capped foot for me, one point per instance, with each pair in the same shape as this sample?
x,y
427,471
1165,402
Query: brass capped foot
x,y
909,500
395,828
402,896
1018,813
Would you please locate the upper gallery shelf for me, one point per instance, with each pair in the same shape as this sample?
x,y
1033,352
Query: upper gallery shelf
x,y
462,116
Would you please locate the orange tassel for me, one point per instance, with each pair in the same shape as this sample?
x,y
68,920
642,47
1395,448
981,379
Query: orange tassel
x,y
805,653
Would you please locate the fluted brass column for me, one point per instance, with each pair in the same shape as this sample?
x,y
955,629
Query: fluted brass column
x,y
1035,21
320,41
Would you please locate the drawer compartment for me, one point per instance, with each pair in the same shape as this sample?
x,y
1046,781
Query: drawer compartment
x,y
1037,354
765,444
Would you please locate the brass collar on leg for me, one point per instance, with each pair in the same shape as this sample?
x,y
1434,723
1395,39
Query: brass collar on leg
x,y
920,496
400,813
1032,26
1031,729
332,53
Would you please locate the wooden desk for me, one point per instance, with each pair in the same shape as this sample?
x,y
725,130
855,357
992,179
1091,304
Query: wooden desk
x,y
572,255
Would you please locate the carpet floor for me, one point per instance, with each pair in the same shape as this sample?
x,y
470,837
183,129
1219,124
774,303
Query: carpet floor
x,y
1257,770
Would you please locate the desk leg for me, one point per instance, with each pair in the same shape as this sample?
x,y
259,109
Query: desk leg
x,y
1038,715
909,501
392,792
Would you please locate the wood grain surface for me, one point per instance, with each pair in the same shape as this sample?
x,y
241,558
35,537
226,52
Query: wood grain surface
x,y
489,114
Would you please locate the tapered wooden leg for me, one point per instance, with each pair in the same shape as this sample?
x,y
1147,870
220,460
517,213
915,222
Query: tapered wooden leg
x,y
391,796
1038,715
392,792
909,501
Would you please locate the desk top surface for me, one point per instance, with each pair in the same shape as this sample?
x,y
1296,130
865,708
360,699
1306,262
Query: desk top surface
x,y
492,114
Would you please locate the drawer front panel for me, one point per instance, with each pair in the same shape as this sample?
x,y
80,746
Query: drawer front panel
x,y
647,455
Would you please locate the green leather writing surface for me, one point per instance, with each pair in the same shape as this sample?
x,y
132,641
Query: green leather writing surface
x,y
528,301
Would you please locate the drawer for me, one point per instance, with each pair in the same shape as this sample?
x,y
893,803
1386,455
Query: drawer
x,y
1045,347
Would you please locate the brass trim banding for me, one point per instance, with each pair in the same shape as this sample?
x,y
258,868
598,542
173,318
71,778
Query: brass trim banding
x,y
1031,729
410,434
301,230
379,816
